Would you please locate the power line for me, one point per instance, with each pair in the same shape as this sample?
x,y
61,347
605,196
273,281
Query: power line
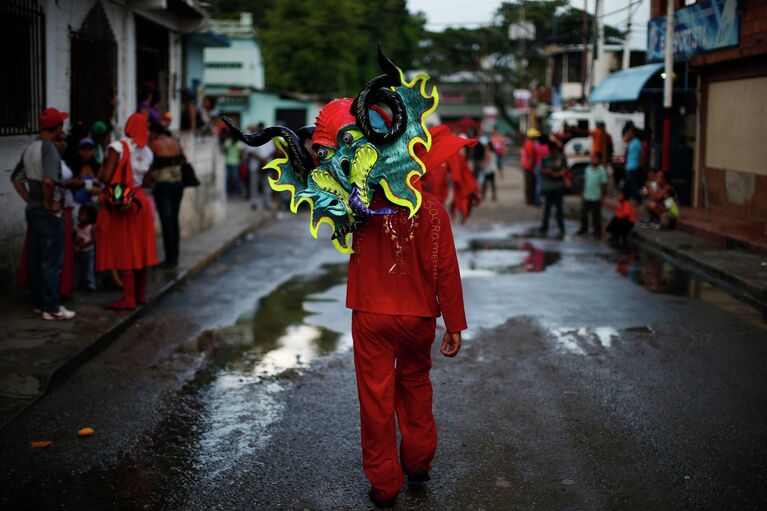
x,y
618,10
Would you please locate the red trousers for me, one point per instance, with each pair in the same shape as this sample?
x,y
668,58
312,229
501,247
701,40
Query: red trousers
x,y
392,359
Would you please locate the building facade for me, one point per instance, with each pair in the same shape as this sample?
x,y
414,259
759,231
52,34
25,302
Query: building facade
x,y
90,58
732,155
234,76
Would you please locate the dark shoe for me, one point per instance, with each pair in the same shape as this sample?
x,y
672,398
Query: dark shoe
x,y
419,476
581,232
385,504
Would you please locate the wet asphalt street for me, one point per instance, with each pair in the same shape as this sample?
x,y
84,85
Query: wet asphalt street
x,y
589,379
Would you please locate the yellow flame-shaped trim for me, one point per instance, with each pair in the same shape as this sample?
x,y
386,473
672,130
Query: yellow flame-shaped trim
x,y
276,165
434,95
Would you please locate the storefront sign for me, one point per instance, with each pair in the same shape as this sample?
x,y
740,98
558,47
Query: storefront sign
x,y
699,28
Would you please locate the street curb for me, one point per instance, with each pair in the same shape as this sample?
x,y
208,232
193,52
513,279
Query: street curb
x,y
741,288
60,373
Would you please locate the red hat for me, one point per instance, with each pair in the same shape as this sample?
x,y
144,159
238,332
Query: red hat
x,y
50,118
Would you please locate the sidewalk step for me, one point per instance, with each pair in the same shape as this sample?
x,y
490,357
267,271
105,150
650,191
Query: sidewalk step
x,y
36,354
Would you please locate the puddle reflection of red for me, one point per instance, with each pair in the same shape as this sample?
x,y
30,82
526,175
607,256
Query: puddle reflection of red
x,y
624,264
535,260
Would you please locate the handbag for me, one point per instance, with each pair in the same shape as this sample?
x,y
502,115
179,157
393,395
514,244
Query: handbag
x,y
188,177
120,194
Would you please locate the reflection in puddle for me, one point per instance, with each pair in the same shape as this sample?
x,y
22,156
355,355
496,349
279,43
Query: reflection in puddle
x,y
492,256
274,342
223,414
574,340
661,277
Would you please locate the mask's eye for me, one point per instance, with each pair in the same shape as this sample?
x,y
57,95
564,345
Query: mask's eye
x,y
324,153
351,136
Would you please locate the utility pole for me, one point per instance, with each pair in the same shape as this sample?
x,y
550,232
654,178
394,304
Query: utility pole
x,y
523,61
668,84
522,45
600,68
627,40
585,54
668,81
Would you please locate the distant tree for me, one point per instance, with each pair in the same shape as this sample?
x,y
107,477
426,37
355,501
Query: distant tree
x,y
328,47
493,59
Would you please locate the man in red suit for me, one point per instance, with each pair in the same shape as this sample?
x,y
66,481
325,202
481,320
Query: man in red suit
x,y
402,276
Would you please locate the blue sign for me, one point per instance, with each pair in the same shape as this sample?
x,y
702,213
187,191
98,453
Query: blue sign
x,y
699,28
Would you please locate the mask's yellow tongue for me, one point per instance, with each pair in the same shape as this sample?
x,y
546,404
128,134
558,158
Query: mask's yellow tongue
x,y
364,159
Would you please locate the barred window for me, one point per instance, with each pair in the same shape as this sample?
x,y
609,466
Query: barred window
x,y
22,89
223,65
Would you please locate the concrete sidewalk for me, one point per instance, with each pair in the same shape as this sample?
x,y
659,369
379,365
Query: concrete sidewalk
x,y
37,353
741,273
729,253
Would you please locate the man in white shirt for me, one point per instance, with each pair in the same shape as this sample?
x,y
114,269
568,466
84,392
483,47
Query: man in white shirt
x,y
37,179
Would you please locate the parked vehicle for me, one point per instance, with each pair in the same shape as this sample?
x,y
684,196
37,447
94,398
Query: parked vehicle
x,y
578,150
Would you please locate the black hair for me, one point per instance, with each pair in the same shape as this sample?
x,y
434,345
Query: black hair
x,y
91,212
156,127
155,97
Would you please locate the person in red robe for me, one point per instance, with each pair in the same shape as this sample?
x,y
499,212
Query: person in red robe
x,y
126,237
402,276
449,150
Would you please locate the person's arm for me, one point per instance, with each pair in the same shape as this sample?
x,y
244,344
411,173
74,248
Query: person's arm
x,y
51,174
110,164
449,289
18,180
603,183
545,169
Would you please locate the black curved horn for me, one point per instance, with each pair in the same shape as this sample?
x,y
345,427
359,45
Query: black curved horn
x,y
300,159
378,90
305,133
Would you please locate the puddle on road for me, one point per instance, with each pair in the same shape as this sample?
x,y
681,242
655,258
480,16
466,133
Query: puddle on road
x,y
661,277
222,414
492,256
574,340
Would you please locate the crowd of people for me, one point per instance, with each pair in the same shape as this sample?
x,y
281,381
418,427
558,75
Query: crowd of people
x,y
87,210
645,196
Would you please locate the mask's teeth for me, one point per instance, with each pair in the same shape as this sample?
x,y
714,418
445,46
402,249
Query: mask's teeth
x,y
364,159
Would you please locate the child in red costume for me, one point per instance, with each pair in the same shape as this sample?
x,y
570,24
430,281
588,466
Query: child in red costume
x,y
402,276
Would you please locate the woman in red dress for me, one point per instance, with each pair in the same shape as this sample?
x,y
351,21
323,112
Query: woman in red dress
x,y
126,236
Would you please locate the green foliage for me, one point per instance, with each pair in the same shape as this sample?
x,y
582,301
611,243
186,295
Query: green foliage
x,y
328,47
463,49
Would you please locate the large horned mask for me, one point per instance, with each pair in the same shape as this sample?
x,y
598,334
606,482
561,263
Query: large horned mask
x,y
363,146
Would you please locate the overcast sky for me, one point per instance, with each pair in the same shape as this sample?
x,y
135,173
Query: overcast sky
x,y
471,13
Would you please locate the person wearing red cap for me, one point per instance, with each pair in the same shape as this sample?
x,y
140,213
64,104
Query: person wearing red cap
x,y
38,181
126,235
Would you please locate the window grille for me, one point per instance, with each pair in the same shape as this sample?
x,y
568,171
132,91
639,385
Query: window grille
x,y
22,88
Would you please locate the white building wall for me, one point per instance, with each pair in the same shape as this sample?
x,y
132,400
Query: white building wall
x,y
247,54
202,207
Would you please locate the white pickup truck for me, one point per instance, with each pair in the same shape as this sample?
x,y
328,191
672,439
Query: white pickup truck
x,y
578,149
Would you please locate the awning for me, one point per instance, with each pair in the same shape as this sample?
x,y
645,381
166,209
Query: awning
x,y
624,85
210,39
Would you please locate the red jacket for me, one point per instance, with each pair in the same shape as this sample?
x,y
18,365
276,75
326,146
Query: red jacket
x,y
424,281
625,210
